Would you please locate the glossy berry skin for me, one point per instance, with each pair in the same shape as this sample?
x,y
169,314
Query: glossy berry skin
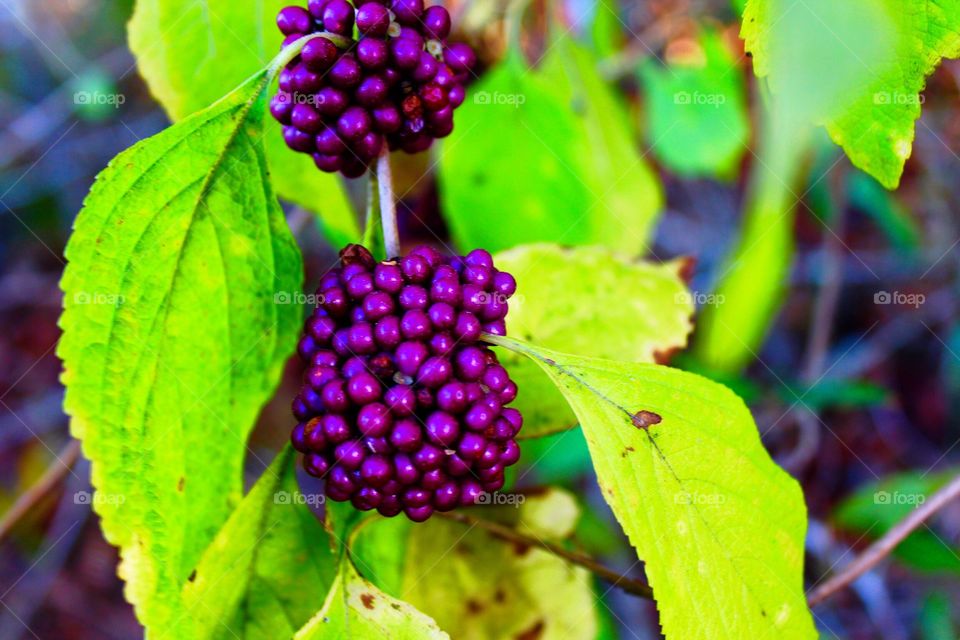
x,y
395,412
401,74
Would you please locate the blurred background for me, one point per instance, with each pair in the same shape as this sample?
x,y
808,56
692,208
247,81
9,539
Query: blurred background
x,y
854,386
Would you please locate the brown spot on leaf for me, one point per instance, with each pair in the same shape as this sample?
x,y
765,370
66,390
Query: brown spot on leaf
x,y
521,549
533,633
626,451
180,483
193,576
644,419
367,600
474,607
686,266
664,356
499,596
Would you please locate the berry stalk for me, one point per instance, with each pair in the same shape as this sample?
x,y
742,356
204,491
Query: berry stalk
x,y
388,206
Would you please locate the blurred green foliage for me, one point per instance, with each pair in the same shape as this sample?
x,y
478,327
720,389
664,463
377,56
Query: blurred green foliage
x,y
878,506
697,122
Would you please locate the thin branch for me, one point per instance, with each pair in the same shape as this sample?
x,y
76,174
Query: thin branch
x,y
885,545
388,206
47,482
629,585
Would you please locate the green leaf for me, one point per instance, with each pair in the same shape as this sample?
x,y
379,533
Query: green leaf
x,y
625,194
877,507
588,300
191,53
876,55
249,583
697,121
511,156
171,338
719,526
357,609
546,156
476,585
606,30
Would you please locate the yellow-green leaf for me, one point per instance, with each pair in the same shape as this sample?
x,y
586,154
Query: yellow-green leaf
x,y
357,609
477,585
587,300
869,61
191,53
249,583
718,525
171,338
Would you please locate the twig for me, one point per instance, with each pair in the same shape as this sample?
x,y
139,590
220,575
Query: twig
x,y
629,585
886,544
388,206
50,479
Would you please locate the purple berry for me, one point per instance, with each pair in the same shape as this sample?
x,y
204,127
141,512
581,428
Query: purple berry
x,y
401,407
401,399
349,454
406,436
374,420
330,101
297,140
363,388
328,142
353,124
387,119
415,324
345,72
294,20
405,53
372,53
459,57
407,11
371,91
338,17
281,107
436,22
376,470
369,146
306,118
318,54
373,19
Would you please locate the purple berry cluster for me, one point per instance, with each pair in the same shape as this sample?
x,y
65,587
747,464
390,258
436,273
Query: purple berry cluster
x,y
397,84
402,407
